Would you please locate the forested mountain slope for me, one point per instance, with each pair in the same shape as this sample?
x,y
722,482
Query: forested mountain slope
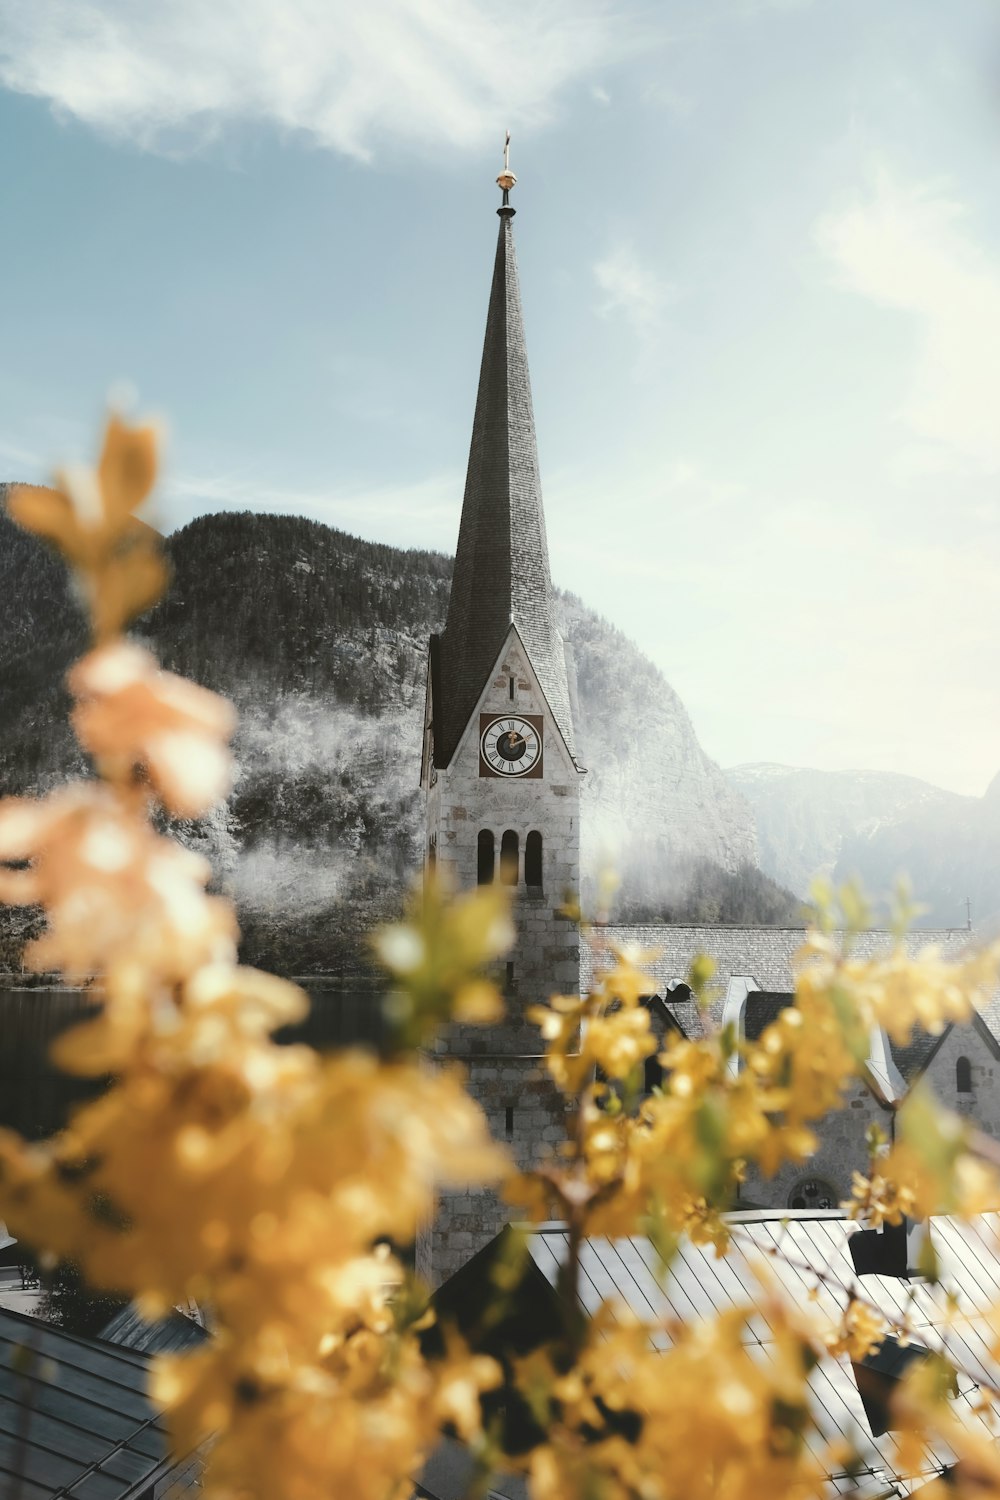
x,y
41,631
321,639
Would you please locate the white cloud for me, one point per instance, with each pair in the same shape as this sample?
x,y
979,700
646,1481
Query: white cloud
x,y
631,289
351,75
18,455
678,102
911,247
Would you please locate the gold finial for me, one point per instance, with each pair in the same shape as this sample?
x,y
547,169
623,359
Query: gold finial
x,y
506,180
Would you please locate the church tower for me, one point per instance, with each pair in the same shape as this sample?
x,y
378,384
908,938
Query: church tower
x,y
499,769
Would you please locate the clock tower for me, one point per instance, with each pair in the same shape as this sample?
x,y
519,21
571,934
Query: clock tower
x,y
499,769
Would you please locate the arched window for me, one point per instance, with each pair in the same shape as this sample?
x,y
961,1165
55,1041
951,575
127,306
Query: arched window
x,y
432,856
963,1076
533,859
486,857
509,858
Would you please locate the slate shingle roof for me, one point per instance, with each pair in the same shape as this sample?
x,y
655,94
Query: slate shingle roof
x,y
502,564
763,1007
764,953
913,1056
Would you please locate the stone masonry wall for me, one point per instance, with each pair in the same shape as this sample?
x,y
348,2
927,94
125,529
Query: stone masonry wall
x,y
461,803
505,1073
526,1113
981,1104
842,1150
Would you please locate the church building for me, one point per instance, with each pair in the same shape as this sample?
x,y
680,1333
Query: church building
x,y
500,771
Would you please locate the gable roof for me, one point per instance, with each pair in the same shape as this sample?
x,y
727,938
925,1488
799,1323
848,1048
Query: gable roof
x,y
893,1067
471,726
925,1046
76,1420
501,564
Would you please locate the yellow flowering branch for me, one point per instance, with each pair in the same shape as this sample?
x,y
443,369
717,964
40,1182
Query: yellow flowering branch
x,y
268,1184
262,1181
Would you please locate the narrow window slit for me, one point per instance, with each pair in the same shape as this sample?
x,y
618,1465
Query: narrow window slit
x,y
510,858
533,859
486,857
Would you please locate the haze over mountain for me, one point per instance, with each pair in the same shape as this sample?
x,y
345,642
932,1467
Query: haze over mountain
x,y
320,639
951,848
878,826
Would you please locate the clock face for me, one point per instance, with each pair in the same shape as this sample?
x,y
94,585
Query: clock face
x,y
511,745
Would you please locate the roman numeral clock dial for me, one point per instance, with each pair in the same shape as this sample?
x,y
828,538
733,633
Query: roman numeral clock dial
x,y
510,745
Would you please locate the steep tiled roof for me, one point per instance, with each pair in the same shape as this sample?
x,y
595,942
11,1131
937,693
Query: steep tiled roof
x,y
763,1007
808,1258
765,954
502,564
912,1057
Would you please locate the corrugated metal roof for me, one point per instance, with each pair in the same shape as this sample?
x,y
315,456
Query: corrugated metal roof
x,y
74,1417
699,1284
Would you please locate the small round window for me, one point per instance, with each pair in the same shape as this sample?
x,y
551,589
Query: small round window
x,y
813,1192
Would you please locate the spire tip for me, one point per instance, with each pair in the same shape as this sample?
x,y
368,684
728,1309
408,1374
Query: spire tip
x,y
506,180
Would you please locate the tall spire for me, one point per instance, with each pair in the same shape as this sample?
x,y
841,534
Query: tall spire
x,y
502,563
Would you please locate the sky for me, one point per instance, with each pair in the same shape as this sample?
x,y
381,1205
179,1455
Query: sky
x,y
759,247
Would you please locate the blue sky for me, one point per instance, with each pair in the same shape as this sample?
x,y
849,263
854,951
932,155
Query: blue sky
x,y
760,260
